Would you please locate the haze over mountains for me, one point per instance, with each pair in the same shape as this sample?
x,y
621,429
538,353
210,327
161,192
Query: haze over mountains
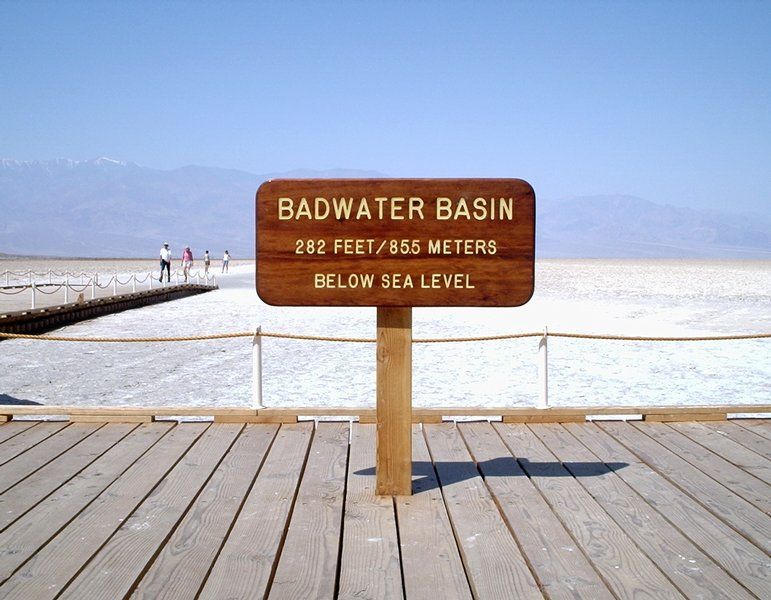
x,y
109,208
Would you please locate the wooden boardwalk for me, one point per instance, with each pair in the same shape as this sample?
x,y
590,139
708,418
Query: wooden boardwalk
x,y
499,510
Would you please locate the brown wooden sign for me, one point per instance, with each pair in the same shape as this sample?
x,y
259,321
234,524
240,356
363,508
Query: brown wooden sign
x,y
395,242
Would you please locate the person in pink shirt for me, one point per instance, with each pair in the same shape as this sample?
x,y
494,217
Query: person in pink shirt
x,y
187,261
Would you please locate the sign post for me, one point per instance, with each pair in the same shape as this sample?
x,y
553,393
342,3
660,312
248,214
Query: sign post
x,y
394,244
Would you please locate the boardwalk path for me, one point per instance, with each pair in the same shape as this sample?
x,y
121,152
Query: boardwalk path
x,y
158,510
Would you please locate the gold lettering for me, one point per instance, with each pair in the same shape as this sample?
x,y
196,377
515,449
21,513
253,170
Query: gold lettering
x,y
317,204
285,209
443,209
363,212
416,206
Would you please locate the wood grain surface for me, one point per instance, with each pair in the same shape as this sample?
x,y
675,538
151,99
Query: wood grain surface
x,y
27,534
19,499
430,557
721,501
394,401
736,554
247,561
482,254
52,568
181,567
562,570
494,563
695,574
309,558
628,572
369,563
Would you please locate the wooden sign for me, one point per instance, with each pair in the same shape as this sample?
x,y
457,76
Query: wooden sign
x,y
395,242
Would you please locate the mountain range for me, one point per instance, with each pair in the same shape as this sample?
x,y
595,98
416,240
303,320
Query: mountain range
x,y
110,208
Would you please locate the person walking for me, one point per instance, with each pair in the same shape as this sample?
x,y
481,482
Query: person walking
x,y
225,261
187,261
206,263
165,262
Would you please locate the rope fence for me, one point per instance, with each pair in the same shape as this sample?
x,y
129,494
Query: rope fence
x,y
317,338
258,335
92,281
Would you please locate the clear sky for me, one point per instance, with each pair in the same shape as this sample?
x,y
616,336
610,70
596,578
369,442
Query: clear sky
x,y
670,101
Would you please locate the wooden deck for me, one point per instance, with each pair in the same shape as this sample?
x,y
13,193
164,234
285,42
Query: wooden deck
x,y
499,510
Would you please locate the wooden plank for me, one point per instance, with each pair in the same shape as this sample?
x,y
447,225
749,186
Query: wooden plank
x,y
19,541
275,419
737,555
560,567
112,571
369,562
246,563
183,562
18,500
727,449
760,426
46,573
740,482
30,461
307,567
13,428
431,561
693,572
625,569
494,564
394,401
737,512
28,439
151,411
675,417
317,411
104,418
745,437
544,418
450,411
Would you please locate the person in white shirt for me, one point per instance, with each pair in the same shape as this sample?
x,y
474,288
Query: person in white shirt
x,y
225,262
165,262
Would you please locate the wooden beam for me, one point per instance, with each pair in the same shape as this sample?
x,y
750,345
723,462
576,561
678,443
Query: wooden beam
x,y
394,401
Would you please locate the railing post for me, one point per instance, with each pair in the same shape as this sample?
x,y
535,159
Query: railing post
x,y
6,278
134,283
257,368
50,276
66,289
30,277
33,295
176,277
115,285
543,370
93,287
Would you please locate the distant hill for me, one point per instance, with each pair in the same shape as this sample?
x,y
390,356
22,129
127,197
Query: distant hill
x,y
109,208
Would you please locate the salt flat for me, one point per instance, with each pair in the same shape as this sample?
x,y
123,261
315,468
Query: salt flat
x,y
602,296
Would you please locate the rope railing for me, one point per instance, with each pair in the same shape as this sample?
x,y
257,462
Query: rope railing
x,y
92,282
258,335
318,338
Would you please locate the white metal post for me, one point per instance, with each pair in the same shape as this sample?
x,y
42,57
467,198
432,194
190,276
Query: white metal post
x,y
6,278
115,285
257,368
543,370
33,295
50,276
30,277
176,277
67,289
134,283
93,287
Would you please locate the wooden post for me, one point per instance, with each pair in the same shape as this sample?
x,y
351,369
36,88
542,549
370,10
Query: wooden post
x,y
394,401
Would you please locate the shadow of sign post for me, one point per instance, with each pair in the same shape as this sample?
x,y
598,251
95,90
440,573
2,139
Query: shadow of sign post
x,y
394,244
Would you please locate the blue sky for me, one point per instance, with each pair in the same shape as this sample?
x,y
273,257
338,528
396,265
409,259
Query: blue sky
x,y
670,101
